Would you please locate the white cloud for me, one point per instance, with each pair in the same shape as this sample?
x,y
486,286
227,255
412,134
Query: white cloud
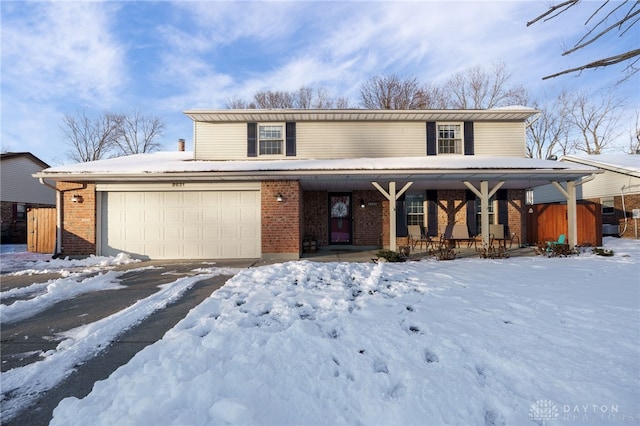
x,y
62,49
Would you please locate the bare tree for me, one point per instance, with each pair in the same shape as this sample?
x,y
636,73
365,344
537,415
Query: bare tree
x,y
238,103
594,122
547,132
434,97
479,88
618,16
91,138
139,133
274,99
303,98
391,92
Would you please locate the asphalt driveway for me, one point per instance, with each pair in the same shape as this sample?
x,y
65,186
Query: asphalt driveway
x,y
24,340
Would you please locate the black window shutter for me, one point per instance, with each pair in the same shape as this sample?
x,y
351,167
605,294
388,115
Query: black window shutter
x,y
431,138
468,138
401,217
291,139
472,222
503,208
432,213
252,140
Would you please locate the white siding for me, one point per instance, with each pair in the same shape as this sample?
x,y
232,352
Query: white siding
x,y
499,139
17,184
220,141
361,139
340,139
607,184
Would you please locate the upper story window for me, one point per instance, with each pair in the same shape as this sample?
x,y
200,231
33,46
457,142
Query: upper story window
x,y
450,138
270,139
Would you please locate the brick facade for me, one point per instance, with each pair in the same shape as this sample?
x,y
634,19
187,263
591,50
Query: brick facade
x,y
620,210
281,220
79,218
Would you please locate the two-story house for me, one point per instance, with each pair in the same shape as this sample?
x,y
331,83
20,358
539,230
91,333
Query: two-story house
x,y
20,192
259,181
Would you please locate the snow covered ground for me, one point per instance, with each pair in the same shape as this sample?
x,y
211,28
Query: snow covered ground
x,y
468,342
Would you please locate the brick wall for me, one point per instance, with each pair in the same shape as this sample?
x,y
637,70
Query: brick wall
x,y
452,207
316,214
517,222
618,217
281,221
78,219
630,202
367,220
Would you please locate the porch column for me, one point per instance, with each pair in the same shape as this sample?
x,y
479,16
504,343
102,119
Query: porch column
x,y
392,196
572,211
484,194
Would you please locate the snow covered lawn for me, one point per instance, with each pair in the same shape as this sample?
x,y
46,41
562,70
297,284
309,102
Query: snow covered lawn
x,y
467,342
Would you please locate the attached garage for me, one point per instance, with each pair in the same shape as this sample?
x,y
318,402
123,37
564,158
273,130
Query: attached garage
x,y
179,221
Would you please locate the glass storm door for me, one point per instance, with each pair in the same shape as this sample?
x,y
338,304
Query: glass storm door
x,y
339,218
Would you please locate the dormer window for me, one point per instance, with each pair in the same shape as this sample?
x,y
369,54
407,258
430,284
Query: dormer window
x,y
450,138
270,139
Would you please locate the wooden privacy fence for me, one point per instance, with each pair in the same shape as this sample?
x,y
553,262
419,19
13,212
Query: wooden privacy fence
x,y
41,229
545,222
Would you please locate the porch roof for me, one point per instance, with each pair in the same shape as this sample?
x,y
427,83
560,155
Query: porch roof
x,y
428,172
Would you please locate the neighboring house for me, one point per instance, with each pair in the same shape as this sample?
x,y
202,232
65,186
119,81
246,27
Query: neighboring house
x,y
259,182
19,192
616,191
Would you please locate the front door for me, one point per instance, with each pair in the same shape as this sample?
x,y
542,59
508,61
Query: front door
x,y
340,228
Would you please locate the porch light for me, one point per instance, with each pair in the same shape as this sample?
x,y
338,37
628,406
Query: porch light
x,y
75,198
362,204
279,197
529,196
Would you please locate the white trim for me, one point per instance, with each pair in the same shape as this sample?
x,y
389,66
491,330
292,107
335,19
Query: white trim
x,y
457,147
179,185
283,140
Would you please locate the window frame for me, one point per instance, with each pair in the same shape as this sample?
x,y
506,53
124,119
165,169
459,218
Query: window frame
x,y
421,212
458,139
281,140
605,209
493,213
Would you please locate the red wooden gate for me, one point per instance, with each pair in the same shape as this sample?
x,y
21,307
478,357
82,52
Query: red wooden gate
x,y
41,229
545,222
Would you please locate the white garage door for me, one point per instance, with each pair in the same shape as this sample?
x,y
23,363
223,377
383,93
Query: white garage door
x,y
181,225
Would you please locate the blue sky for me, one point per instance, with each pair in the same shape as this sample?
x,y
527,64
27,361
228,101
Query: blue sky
x,y
166,57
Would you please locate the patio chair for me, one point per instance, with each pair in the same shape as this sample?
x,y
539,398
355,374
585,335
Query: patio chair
x,y
457,233
553,245
496,233
417,236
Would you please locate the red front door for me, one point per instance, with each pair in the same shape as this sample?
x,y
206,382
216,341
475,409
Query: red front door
x,y
340,218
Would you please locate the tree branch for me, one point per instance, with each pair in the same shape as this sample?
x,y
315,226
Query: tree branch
x,y
599,63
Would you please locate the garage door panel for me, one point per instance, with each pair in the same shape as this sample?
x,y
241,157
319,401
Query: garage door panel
x,y
177,225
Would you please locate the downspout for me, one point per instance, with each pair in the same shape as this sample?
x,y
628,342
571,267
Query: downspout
x,y
58,215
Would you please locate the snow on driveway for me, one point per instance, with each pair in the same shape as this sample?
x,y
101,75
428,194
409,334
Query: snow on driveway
x,y
470,341
21,386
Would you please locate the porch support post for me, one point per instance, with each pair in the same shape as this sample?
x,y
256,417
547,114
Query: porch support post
x,y
392,196
572,211
484,194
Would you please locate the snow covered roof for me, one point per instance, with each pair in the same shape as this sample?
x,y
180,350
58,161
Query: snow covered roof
x,y
175,165
517,113
622,163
